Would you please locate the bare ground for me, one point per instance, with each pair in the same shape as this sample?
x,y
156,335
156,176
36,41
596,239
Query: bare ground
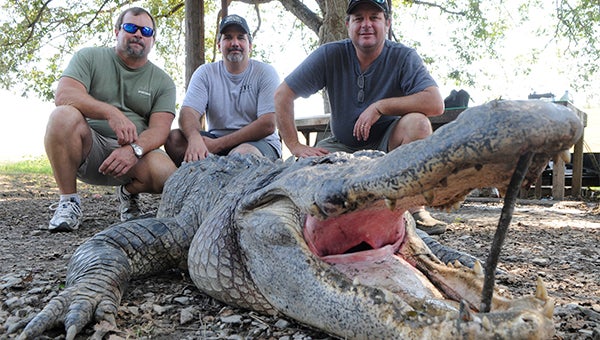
x,y
558,241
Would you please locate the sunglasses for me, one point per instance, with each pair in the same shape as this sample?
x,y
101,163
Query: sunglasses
x,y
361,88
132,28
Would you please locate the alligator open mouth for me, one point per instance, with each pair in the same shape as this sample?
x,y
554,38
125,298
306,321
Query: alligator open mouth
x,y
340,237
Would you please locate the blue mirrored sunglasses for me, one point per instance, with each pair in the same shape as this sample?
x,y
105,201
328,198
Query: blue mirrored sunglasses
x,y
132,28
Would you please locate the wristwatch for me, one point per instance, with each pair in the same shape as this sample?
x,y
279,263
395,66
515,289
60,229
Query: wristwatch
x,y
137,150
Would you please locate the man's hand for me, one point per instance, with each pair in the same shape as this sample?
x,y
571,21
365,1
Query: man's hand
x,y
301,151
119,162
196,149
213,145
362,128
124,128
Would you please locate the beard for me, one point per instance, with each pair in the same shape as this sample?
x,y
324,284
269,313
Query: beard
x,y
235,57
138,51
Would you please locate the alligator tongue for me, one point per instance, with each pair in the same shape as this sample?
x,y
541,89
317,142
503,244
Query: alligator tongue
x,y
371,228
382,268
363,246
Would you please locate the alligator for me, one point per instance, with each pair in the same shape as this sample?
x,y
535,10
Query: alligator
x,y
326,241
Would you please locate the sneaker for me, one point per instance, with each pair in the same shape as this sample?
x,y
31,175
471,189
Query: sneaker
x,y
67,215
128,207
428,224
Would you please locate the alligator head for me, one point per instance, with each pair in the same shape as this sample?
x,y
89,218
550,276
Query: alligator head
x,y
327,241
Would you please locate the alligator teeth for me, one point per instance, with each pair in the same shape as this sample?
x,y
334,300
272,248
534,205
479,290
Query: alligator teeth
x,y
388,296
477,268
565,155
540,290
549,308
390,204
486,324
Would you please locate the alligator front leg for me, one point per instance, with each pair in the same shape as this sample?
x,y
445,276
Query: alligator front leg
x,y
100,269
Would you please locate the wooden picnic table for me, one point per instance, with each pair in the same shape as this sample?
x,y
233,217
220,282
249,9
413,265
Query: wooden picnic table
x,y
319,124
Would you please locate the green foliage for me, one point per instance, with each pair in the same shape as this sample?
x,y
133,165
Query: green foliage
x,y
39,165
38,37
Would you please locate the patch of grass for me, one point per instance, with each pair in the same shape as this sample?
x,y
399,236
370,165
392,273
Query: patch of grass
x,y
38,165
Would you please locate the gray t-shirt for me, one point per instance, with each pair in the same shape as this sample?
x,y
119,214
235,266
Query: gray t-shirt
x,y
398,71
232,101
138,93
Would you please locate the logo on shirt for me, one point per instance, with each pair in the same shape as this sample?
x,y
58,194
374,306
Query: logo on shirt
x,y
246,88
143,92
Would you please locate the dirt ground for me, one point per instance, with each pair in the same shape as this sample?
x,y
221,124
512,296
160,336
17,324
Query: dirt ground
x,y
558,241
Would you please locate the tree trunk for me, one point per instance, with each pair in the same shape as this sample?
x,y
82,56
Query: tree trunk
x,y
334,22
194,37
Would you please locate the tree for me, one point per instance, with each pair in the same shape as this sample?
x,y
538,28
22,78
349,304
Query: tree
x,y
457,37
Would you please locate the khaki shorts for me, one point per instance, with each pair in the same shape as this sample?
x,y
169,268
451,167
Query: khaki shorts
x,y
333,145
102,147
265,148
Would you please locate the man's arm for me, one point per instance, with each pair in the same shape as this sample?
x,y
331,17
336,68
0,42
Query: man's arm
x,y
71,92
122,159
157,132
428,102
284,112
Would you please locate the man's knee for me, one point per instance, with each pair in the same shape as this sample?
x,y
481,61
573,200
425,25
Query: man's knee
x,y
66,118
153,170
175,139
415,126
411,127
245,148
175,146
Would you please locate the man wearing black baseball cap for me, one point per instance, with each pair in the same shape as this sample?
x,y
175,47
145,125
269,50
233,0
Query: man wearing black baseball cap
x,y
236,95
380,92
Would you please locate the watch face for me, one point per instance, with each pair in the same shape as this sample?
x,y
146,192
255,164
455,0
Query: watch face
x,y
137,150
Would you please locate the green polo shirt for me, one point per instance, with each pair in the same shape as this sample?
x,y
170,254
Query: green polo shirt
x,y
136,92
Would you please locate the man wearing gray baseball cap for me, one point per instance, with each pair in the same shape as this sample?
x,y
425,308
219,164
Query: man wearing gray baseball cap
x,y
236,95
235,19
380,92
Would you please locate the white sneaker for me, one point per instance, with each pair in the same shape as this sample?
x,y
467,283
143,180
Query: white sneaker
x,y
128,208
67,215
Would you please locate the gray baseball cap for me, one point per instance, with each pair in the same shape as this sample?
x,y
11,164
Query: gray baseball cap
x,y
234,19
381,4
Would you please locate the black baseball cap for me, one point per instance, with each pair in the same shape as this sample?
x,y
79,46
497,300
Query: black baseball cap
x,y
234,19
381,4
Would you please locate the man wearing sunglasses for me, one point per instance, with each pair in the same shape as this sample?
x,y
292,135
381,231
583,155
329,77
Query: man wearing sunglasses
x,y
380,93
236,95
114,109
